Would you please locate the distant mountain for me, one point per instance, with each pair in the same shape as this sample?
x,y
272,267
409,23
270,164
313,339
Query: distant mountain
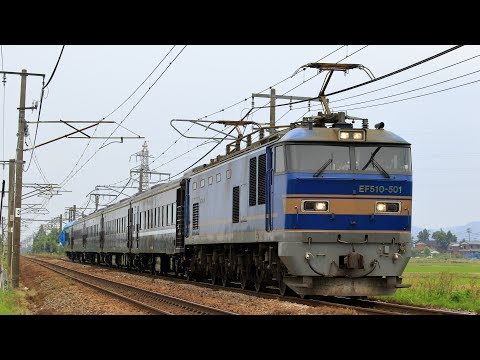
x,y
460,231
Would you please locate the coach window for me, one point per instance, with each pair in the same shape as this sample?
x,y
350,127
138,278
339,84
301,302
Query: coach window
x,y
166,215
210,180
194,186
173,214
219,177
279,159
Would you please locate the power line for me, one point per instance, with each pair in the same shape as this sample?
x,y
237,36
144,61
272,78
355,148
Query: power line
x,y
143,96
262,107
414,97
243,100
402,82
409,91
374,80
114,110
55,68
41,102
397,71
215,146
143,82
312,98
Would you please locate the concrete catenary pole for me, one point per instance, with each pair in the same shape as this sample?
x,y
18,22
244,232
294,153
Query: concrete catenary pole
x,y
18,182
11,212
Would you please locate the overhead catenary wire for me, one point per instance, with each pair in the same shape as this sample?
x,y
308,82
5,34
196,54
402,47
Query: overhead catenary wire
x,y
415,97
55,68
215,146
128,114
114,110
409,91
143,82
405,81
40,106
241,101
291,89
396,71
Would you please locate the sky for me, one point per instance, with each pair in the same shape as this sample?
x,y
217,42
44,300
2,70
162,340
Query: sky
x,y
92,81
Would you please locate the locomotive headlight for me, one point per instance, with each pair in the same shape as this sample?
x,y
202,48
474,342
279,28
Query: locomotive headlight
x,y
387,207
351,135
320,206
357,136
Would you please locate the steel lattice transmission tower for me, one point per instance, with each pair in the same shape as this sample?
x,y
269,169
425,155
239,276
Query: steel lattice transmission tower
x,y
143,170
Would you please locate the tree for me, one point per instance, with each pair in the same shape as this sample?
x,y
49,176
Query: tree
x,y
443,239
424,236
427,252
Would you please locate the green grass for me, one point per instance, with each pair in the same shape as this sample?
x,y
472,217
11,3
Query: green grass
x,y
8,303
453,284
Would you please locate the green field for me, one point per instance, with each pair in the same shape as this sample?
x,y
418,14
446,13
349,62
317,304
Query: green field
x,y
453,284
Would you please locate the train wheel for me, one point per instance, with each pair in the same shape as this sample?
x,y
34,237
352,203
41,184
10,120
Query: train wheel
x,y
223,275
258,281
243,279
214,275
225,279
282,287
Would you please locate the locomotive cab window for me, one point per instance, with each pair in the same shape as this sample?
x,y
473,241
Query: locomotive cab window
x,y
391,159
313,158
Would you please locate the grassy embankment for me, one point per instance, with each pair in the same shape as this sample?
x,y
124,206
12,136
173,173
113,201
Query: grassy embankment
x,y
453,284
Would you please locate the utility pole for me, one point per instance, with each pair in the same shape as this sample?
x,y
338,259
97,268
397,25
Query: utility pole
x,y
11,212
18,182
469,231
272,111
61,223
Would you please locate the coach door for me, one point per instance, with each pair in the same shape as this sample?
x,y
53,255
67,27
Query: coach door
x,y
102,233
180,217
130,227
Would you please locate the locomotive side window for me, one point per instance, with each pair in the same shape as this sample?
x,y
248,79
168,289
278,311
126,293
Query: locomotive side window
x,y
229,173
202,183
194,186
279,159
219,177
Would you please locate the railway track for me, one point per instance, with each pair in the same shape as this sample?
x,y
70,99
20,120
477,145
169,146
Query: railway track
x,y
363,306
151,301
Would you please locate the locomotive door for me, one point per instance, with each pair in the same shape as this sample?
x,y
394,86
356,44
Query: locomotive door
x,y
102,233
269,191
130,227
243,207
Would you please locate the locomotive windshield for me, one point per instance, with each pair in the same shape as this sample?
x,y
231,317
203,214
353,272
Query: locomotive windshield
x,y
391,159
317,158
311,158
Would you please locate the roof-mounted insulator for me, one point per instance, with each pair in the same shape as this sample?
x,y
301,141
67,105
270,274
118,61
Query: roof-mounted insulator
x,y
365,123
